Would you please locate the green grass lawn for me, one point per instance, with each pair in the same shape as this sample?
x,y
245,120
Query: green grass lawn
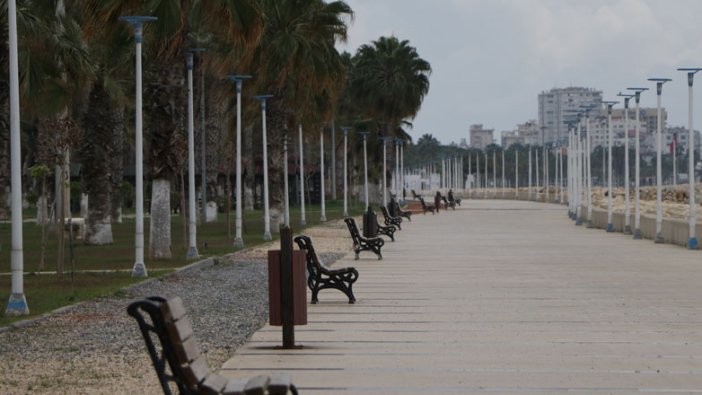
x,y
46,292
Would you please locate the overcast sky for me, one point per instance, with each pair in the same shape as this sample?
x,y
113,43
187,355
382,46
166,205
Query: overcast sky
x,y
491,58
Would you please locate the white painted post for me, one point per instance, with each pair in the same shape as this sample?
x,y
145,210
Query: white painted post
x,y
303,220
139,269
637,166
238,240
192,215
323,216
266,214
529,181
385,162
692,240
17,304
346,189
610,192
365,167
659,147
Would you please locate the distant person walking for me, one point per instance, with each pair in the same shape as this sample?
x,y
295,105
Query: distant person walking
x,y
437,200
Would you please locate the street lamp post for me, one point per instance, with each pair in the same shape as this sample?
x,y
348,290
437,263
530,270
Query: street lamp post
x,y
239,79
303,220
516,173
266,216
627,209
286,192
609,104
402,168
385,161
577,175
203,141
637,174
503,173
17,303
659,171
323,215
345,129
397,166
139,269
485,195
588,169
529,178
692,241
364,136
192,215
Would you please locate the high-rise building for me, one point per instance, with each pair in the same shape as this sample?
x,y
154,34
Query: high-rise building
x,y
480,137
529,132
558,104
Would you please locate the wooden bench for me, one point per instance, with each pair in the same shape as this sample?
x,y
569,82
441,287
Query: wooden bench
x,y
448,203
452,199
388,230
415,195
361,243
389,220
427,207
398,210
178,360
320,277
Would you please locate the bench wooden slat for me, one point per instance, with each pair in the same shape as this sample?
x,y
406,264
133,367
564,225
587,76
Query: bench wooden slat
x,y
279,384
173,309
235,387
180,331
213,385
187,351
257,385
195,372
179,361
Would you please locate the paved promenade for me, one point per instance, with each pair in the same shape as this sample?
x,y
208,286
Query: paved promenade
x,y
500,297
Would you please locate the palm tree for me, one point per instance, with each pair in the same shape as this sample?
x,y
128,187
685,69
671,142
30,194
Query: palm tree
x,y
297,63
389,81
236,22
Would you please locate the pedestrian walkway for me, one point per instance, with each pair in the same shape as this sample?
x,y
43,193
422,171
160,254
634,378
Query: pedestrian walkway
x,y
500,297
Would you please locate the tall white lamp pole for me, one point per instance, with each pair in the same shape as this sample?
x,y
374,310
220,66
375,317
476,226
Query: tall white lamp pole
x,y
627,209
346,188
364,136
659,146
203,141
266,216
323,215
239,79
192,214
588,169
385,171
17,304
286,191
609,104
139,269
303,220
692,240
637,168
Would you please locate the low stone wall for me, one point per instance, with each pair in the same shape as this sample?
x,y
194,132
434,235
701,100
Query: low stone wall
x,y
674,231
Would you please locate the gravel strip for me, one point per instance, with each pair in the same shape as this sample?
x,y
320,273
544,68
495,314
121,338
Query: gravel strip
x,y
96,348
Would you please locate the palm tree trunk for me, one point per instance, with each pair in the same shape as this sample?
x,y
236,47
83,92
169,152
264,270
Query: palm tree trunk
x,y
117,168
165,116
97,145
276,123
249,169
160,230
